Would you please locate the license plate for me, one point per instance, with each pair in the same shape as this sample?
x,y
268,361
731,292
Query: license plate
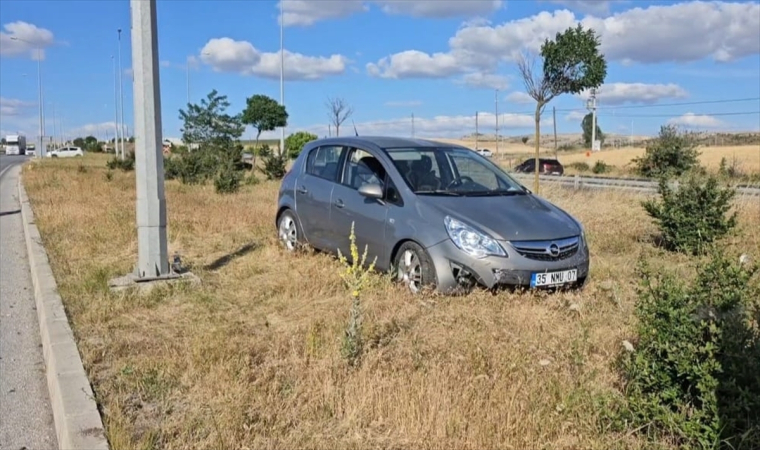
x,y
553,278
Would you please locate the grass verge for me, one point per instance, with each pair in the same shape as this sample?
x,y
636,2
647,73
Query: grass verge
x,y
252,357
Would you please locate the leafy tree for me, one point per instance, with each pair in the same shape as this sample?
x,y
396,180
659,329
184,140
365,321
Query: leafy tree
x,y
209,126
570,64
213,137
2,141
586,125
295,142
80,142
338,110
264,114
672,154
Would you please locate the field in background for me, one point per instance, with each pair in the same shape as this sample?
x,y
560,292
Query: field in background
x,y
251,358
746,157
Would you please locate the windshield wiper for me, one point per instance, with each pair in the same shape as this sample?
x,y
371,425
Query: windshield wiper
x,y
439,192
495,193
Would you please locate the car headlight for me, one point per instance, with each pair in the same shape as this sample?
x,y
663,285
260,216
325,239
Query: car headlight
x,y
471,241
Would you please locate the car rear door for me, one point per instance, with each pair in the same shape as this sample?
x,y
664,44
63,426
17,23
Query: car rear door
x,y
314,188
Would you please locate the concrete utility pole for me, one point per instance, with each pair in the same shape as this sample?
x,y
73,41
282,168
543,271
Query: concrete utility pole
x,y
592,106
497,121
412,125
152,253
554,120
477,133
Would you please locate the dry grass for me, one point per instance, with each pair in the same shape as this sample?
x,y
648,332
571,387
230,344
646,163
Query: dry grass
x,y
251,359
746,157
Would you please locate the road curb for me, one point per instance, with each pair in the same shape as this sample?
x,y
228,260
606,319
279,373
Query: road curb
x,y
78,424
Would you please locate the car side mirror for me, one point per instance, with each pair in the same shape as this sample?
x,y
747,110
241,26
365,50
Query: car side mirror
x,y
371,190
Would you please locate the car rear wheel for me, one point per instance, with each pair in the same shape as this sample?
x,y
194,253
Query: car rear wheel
x,y
289,231
414,267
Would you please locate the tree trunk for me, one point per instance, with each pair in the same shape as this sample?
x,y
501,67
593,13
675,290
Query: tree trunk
x,y
337,129
255,150
537,144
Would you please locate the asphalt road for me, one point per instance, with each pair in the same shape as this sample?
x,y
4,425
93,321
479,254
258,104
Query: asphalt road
x,y
26,419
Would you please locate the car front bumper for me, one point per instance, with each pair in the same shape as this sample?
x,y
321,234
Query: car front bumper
x,y
454,267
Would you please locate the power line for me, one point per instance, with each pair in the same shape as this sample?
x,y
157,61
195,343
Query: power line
x,y
743,113
706,102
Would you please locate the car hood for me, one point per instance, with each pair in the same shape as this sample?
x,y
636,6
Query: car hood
x,y
513,218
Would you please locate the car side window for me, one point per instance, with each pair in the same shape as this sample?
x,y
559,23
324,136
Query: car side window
x,y
362,168
323,162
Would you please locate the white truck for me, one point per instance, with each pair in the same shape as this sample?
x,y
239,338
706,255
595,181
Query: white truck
x,y
15,144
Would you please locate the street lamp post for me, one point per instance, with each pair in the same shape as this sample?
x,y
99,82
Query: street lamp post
x,y
41,152
282,78
121,96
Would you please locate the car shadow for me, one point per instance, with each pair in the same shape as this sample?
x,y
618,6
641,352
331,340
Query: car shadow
x,y
226,259
9,213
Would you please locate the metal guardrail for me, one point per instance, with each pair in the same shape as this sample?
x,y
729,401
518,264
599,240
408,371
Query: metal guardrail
x,y
627,184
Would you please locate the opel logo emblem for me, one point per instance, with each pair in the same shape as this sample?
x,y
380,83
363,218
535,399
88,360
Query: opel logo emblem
x,y
554,250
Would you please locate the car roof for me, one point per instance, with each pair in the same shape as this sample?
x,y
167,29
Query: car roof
x,y
384,142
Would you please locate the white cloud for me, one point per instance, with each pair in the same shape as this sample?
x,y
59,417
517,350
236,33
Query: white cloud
x,y
614,94
520,97
440,9
229,55
308,12
485,80
14,107
403,103
575,116
682,32
416,64
439,126
21,37
692,120
598,7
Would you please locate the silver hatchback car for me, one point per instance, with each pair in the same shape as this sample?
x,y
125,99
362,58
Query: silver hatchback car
x,y
436,215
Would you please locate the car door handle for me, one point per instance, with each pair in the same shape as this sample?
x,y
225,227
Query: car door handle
x,y
339,203
302,190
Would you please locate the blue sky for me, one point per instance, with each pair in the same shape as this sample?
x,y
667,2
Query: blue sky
x,y
438,60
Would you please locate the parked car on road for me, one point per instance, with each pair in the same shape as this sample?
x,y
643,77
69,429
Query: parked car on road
x,y
434,214
546,166
65,152
485,152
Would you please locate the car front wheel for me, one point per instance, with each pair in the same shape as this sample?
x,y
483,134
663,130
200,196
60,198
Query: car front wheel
x,y
414,267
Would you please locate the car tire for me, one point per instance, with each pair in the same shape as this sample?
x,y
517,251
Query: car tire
x,y
289,231
414,267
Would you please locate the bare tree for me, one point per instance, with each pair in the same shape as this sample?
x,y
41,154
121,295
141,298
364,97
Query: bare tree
x,y
338,110
570,64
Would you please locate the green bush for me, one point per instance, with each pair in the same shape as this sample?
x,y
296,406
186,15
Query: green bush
x,y
295,142
127,164
601,167
672,154
580,166
274,166
693,216
228,179
693,371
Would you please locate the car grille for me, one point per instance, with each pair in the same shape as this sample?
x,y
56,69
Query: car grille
x,y
544,250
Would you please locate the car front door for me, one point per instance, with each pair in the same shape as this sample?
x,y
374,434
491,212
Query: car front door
x,y
348,206
314,189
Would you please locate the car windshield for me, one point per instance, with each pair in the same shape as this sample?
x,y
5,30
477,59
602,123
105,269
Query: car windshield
x,y
452,171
